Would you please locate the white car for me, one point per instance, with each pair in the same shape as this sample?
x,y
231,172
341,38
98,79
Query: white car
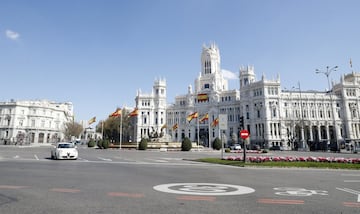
x,y
64,151
235,147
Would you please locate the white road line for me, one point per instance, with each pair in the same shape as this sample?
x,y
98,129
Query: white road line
x,y
355,175
104,159
170,159
352,181
157,160
351,191
36,157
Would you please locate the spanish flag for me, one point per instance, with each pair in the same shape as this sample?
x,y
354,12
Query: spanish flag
x,y
192,116
215,122
175,126
134,113
205,117
92,120
116,113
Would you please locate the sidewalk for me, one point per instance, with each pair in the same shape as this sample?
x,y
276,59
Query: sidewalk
x,y
27,145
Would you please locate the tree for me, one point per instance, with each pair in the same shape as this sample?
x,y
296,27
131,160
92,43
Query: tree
x,y
72,129
111,127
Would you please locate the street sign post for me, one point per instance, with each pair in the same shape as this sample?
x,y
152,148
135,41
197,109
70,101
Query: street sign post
x,y
244,134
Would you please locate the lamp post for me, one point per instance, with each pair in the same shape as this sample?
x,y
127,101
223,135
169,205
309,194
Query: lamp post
x,y
327,74
302,140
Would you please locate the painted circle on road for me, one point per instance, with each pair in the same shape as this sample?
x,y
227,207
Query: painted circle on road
x,y
212,189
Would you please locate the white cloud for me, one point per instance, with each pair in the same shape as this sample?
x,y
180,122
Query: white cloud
x,y
229,75
12,34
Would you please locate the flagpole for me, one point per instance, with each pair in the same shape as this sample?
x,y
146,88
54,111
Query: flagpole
x,y
222,144
137,142
208,132
120,132
198,140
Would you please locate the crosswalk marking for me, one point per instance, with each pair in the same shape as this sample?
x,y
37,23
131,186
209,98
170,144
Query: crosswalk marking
x,y
351,191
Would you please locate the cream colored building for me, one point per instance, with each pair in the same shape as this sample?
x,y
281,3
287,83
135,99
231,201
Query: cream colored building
x,y
293,119
33,122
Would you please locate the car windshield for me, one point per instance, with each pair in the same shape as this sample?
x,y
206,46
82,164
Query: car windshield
x,y
66,145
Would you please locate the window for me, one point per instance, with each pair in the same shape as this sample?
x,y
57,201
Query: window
x,y
207,85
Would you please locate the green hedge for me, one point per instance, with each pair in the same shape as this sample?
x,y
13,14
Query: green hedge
x,y
143,144
217,144
91,143
186,144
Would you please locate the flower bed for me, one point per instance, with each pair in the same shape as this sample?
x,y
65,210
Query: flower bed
x,y
259,159
247,151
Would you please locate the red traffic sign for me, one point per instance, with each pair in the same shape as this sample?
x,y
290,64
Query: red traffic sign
x,y
244,134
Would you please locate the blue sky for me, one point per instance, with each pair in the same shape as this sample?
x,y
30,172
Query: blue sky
x,y
98,53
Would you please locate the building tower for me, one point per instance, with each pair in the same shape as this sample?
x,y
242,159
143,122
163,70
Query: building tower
x,y
210,78
159,91
247,75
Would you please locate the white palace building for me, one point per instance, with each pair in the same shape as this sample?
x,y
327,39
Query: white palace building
x,y
293,119
33,122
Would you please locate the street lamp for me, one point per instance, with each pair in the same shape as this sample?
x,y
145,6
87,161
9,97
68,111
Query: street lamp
x,y
303,145
327,74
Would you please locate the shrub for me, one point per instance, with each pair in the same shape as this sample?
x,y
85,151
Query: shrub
x,y
143,144
99,144
217,144
105,144
227,150
91,143
186,144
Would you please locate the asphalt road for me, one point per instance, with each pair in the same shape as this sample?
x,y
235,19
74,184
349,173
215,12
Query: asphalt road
x,y
114,181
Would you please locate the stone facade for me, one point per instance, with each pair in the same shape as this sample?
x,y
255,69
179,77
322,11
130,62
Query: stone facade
x,y
293,119
33,122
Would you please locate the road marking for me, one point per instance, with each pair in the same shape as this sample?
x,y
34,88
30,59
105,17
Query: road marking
x,y
351,191
65,190
196,198
125,194
11,187
295,191
104,159
156,160
351,204
351,175
36,157
351,181
209,189
279,201
172,158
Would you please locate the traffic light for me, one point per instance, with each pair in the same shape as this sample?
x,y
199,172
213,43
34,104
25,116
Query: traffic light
x,y
241,121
